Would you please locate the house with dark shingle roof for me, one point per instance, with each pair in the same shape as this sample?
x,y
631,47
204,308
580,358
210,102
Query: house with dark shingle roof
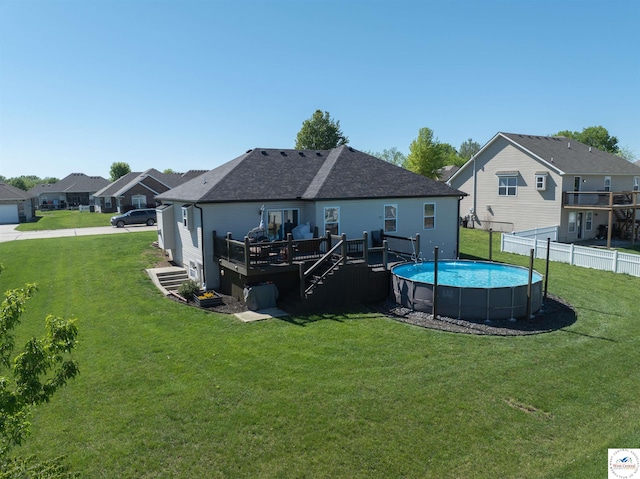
x,y
72,191
137,190
16,205
306,193
518,182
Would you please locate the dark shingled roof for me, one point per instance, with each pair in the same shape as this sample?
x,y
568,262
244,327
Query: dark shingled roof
x,y
275,174
11,193
128,181
572,157
74,183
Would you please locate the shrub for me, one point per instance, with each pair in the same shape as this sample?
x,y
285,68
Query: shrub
x,y
188,289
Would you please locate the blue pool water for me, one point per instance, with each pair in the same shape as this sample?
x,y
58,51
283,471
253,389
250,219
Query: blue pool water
x,y
469,274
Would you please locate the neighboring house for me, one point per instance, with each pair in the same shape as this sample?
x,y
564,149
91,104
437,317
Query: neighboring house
x,y
70,192
519,182
307,193
447,172
137,190
16,205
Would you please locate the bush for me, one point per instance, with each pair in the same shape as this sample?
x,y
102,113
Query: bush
x,y
188,289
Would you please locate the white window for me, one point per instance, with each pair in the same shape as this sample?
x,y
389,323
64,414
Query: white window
x,y
636,183
332,219
139,201
429,221
588,221
187,217
607,183
390,218
572,222
507,185
541,181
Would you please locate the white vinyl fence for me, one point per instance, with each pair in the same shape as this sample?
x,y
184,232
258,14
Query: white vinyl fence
x,y
596,258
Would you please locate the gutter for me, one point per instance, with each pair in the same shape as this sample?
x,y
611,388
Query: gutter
x,y
204,266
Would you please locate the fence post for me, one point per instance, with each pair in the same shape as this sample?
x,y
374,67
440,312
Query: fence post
x,y
531,252
435,281
385,256
546,272
417,245
615,261
571,254
490,244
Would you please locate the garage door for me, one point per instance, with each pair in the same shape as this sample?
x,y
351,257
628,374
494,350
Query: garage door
x,y
8,214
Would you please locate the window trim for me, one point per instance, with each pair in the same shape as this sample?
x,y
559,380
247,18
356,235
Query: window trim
x,y
187,217
636,183
607,183
507,187
541,181
135,201
425,216
393,218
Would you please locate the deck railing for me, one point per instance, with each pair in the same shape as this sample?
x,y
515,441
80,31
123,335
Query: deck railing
x,y
259,255
602,199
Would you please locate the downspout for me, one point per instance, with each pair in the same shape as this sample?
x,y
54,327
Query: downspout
x,y
475,191
204,265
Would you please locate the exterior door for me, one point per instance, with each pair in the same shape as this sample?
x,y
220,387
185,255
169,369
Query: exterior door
x,y
579,225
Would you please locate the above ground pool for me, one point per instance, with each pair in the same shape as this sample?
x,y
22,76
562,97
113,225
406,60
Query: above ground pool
x,y
467,289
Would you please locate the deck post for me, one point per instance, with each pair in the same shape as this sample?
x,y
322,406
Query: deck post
x,y
247,253
228,248
417,251
365,247
385,256
328,236
289,248
343,248
301,276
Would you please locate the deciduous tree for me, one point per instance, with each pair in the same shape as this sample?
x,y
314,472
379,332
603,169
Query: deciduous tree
x,y
35,374
118,170
468,149
596,136
392,155
426,154
320,132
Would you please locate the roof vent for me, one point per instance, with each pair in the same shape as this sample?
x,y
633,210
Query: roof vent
x,y
264,153
248,151
301,153
350,149
589,149
318,153
569,145
552,159
283,153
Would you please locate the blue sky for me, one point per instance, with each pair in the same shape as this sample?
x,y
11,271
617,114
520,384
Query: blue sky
x,y
193,84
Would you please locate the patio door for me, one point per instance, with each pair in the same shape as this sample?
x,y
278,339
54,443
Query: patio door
x,y
281,222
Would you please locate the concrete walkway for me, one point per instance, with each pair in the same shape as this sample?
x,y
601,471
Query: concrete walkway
x,y
9,233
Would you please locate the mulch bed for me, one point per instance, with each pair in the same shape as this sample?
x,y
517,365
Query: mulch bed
x,y
555,314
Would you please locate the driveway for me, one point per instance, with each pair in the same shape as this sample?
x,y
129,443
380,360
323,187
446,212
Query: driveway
x,y
9,233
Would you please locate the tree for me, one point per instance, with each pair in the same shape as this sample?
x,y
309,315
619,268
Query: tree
x,y
468,149
596,136
426,154
320,132
118,170
392,155
35,374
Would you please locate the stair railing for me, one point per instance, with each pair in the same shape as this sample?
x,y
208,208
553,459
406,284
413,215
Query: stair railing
x,y
342,245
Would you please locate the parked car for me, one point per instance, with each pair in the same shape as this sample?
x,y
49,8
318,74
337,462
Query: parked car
x,y
135,217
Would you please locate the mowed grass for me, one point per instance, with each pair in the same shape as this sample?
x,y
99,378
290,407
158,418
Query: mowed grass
x,y
167,390
60,219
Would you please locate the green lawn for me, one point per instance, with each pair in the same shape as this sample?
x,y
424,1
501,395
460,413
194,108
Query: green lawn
x,y
167,390
60,219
